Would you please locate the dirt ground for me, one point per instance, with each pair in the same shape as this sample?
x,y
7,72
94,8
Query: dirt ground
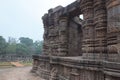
x,y
22,73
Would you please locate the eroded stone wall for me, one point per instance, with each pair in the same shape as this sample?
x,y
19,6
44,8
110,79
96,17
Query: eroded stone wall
x,y
81,49
113,29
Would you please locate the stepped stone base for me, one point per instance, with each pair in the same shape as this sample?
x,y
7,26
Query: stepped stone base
x,y
76,68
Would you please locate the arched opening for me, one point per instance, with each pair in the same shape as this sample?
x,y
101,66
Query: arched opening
x,y
81,16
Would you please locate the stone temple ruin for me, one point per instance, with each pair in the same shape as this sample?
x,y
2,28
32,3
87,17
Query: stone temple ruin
x,y
81,49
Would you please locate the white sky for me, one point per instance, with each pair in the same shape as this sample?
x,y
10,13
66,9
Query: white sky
x,y
22,18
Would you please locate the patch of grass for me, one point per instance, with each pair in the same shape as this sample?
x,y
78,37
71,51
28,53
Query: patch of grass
x,y
5,65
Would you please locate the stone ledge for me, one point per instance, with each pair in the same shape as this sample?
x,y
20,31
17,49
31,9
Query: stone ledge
x,y
78,62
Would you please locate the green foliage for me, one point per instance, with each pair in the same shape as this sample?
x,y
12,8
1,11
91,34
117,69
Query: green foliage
x,y
11,46
22,49
25,46
2,45
11,49
26,41
38,47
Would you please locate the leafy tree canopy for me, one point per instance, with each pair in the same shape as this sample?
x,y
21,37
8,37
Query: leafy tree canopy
x,y
26,41
2,45
25,46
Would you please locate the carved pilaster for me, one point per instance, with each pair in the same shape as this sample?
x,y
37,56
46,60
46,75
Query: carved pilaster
x,y
63,36
113,28
46,32
88,28
100,23
51,33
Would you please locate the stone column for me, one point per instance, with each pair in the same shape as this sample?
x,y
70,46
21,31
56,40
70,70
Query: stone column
x,y
63,36
45,36
86,7
113,29
100,23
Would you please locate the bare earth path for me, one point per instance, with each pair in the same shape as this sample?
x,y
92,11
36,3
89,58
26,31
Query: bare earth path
x,y
22,73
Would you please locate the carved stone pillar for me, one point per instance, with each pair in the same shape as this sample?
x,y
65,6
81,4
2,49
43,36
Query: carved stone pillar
x,y
113,29
63,36
100,23
51,33
45,36
88,28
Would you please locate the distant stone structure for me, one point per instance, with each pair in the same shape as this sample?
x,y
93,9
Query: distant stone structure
x,y
81,49
14,58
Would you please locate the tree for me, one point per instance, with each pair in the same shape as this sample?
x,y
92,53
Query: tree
x,y
25,46
3,45
22,49
11,46
28,45
12,40
38,47
26,41
11,49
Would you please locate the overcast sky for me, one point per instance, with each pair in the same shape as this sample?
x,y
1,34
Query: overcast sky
x,y
22,18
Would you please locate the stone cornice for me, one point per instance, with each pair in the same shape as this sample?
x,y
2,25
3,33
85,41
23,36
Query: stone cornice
x,y
71,10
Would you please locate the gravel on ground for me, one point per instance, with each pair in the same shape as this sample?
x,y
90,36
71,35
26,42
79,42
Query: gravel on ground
x,y
21,73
